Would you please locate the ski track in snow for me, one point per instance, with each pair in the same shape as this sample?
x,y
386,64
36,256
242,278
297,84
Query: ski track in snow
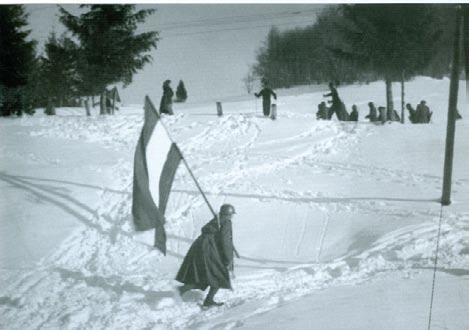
x,y
101,277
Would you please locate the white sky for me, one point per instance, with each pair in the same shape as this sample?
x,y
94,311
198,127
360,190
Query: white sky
x,y
208,46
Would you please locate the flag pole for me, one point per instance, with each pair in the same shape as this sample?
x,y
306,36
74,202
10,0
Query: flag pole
x,y
198,186
150,103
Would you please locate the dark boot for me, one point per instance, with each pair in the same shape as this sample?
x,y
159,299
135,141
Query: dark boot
x,y
208,302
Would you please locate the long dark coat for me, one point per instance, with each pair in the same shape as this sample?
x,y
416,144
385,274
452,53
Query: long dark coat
x,y
422,114
337,107
206,263
167,100
373,115
266,92
353,115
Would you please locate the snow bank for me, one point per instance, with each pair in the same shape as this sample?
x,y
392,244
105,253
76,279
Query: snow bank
x,y
319,205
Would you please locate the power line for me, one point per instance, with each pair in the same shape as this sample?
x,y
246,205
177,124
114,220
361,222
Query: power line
x,y
225,21
237,29
434,268
161,32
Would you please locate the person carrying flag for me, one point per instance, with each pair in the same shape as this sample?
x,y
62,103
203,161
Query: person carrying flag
x,y
210,258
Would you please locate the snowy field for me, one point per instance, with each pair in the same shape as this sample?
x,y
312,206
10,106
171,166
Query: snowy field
x,y
336,222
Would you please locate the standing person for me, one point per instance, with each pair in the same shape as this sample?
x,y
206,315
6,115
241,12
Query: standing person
x,y
166,104
266,92
337,106
209,259
372,116
354,113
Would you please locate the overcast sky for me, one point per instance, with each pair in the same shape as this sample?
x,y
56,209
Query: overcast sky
x,y
208,46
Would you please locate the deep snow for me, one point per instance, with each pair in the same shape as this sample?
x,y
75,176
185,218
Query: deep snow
x,y
336,222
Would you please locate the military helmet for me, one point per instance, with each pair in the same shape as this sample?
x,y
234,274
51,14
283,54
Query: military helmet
x,y
227,209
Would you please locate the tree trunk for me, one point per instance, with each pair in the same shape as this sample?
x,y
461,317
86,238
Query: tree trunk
x,y
402,98
389,100
113,102
87,106
102,103
92,102
50,109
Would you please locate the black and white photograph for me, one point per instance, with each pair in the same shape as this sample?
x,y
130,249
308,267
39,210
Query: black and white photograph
x,y
242,165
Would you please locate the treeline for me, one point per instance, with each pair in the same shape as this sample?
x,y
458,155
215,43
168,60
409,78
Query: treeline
x,y
360,43
100,48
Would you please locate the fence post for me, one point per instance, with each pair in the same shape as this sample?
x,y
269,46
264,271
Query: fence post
x,y
87,106
102,103
219,109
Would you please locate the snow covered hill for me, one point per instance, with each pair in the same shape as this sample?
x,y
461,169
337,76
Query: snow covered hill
x,y
336,222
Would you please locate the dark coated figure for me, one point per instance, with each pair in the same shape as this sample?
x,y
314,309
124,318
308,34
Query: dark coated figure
x,y
166,104
323,112
412,117
354,113
373,115
337,106
423,113
266,92
210,258
382,115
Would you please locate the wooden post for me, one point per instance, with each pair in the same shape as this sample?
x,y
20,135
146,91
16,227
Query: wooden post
x,y
87,106
102,103
219,109
113,101
452,104
402,98
273,111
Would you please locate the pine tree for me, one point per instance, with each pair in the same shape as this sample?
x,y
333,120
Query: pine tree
x,y
17,57
393,41
181,93
59,76
109,49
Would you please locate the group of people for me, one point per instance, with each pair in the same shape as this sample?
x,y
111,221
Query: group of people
x,y
381,114
166,103
421,115
337,107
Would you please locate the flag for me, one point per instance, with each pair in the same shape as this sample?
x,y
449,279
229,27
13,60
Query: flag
x,y
156,161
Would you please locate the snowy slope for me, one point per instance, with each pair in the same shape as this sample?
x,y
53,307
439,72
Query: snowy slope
x,y
321,207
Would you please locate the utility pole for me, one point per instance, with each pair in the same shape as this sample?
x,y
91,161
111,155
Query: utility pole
x,y
452,105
